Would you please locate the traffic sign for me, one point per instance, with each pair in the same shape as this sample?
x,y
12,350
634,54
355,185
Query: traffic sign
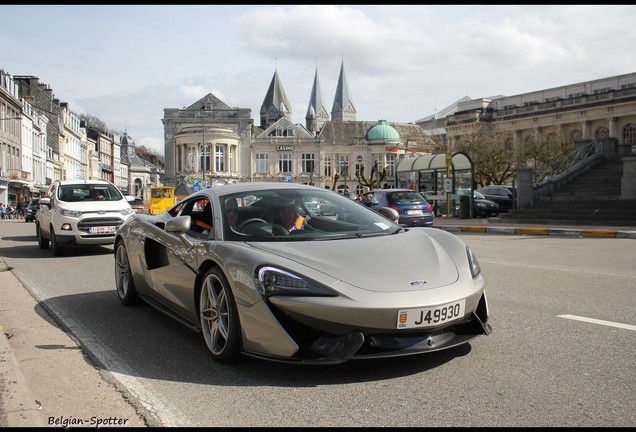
x,y
288,179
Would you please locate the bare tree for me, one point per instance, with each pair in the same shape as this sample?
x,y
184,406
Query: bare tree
x,y
547,157
492,152
375,178
151,156
94,122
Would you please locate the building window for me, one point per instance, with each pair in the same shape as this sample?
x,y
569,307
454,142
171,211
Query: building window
x,y
279,131
629,134
602,132
343,166
284,163
219,158
308,162
290,131
552,140
204,157
261,163
328,172
390,165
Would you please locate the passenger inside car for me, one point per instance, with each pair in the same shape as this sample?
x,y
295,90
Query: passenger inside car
x,y
200,212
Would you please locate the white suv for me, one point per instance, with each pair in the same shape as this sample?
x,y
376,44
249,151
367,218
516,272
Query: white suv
x,y
80,213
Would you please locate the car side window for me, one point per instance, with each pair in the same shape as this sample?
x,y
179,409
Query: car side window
x,y
374,198
200,212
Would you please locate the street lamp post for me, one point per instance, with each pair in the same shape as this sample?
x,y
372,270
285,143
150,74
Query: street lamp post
x,y
203,182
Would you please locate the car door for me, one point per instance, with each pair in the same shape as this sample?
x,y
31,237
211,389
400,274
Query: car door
x,y
504,197
46,210
175,264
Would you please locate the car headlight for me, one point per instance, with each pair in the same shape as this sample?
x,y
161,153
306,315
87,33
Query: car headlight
x,y
71,213
475,269
126,211
481,205
274,281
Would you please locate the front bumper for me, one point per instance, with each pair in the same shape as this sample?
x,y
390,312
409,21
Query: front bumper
x,y
316,347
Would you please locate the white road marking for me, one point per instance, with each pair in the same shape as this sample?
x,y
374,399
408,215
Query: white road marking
x,y
601,322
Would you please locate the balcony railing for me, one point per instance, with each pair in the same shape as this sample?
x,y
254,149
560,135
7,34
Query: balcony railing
x,y
17,174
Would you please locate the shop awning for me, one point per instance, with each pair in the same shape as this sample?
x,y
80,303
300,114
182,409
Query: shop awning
x,y
433,162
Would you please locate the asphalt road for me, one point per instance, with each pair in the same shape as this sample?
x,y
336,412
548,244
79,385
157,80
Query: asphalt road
x,y
547,362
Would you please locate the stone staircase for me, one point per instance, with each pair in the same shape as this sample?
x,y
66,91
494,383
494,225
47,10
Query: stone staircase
x,y
592,198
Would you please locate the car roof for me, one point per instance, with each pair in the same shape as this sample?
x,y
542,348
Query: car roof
x,y
390,190
81,181
232,188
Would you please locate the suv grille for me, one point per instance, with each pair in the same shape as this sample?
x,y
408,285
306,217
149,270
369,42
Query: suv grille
x,y
84,224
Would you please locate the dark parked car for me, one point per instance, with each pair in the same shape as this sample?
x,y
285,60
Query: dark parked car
x,y
481,206
484,207
501,194
31,210
412,207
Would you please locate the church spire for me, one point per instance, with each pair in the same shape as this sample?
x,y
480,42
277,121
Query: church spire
x,y
317,114
343,109
275,105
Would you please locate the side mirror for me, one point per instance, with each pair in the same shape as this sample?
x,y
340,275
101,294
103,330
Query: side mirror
x,y
45,201
180,225
390,214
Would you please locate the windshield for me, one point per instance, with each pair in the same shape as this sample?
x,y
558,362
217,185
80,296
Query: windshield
x,y
89,192
303,214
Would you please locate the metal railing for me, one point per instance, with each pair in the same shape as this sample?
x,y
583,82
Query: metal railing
x,y
580,160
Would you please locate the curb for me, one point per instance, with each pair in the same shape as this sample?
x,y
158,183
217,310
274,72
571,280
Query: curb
x,y
555,232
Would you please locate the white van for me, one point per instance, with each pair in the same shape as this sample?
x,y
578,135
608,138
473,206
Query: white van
x,y
80,213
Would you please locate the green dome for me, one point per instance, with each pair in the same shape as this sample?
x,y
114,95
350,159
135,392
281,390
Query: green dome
x,y
383,131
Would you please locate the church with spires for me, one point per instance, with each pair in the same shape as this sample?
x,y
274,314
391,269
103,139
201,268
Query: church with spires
x,y
210,143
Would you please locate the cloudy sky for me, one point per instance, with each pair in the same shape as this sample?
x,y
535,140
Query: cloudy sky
x,y
125,64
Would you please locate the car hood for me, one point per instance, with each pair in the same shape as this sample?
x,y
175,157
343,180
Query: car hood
x,y
416,262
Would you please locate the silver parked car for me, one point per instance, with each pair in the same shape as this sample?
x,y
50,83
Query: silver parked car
x,y
259,274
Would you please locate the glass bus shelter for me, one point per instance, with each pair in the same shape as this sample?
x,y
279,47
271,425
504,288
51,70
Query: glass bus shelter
x,y
438,176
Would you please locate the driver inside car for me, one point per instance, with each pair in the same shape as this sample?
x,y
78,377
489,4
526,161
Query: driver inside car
x,y
288,217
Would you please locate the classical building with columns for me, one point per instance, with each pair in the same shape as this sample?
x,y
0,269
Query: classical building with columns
x,y
598,109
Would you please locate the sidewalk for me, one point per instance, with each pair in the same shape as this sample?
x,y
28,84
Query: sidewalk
x,y
17,406
46,377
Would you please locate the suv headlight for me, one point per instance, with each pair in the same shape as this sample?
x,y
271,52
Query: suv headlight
x,y
71,213
127,211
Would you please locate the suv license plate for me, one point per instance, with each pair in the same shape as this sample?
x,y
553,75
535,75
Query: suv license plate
x,y
429,317
102,230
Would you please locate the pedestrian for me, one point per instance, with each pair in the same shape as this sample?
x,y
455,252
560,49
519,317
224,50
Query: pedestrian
x,y
3,211
18,209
